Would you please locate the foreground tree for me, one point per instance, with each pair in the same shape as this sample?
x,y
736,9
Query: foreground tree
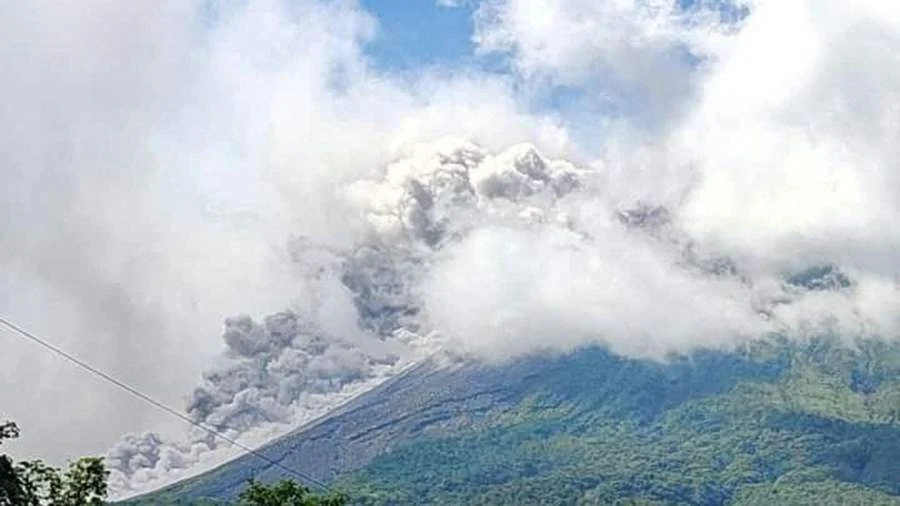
x,y
37,484
286,493
11,491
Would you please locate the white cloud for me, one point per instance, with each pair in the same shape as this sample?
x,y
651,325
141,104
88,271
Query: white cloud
x,y
643,55
782,151
525,289
575,41
160,156
175,165
783,145
794,137
451,3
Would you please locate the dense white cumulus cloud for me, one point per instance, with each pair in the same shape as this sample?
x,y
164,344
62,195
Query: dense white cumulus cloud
x,y
171,164
490,256
573,41
645,58
157,158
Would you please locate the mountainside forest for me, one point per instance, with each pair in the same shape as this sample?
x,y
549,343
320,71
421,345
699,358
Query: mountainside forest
x,y
776,422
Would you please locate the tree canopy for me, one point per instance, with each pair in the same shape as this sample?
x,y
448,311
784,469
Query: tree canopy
x,y
286,493
35,483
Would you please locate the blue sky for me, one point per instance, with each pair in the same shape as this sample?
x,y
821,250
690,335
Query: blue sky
x,y
420,33
416,33
149,134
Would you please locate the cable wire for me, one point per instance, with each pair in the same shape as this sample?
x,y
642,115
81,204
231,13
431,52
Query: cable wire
x,y
159,405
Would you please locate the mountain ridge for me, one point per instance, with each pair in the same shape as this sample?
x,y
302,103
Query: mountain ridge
x,y
713,427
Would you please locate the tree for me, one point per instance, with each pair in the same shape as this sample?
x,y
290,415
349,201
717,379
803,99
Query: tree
x,y
35,483
84,483
8,430
11,491
286,493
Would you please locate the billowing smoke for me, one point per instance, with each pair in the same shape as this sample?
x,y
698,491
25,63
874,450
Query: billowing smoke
x,y
487,255
718,171
157,158
367,316
273,376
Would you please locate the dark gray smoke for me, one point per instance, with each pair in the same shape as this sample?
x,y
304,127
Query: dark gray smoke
x,y
492,255
158,156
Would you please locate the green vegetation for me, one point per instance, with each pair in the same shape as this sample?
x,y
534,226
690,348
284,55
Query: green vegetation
x,y
10,485
84,483
282,493
777,422
37,484
816,423
285,493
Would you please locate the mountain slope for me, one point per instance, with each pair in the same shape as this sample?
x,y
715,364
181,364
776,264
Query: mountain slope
x,y
774,422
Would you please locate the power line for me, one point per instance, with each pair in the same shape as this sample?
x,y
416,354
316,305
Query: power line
x,y
146,398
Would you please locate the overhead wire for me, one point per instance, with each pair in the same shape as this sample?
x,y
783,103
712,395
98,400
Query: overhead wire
x,y
158,404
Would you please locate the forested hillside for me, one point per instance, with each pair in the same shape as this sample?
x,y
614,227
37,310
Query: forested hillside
x,y
775,422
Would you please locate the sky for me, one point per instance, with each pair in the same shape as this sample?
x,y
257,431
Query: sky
x,y
255,210
416,34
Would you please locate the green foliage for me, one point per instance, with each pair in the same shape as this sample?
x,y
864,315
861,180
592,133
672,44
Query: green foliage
x,y
816,493
8,430
285,493
823,429
777,422
282,493
37,484
83,483
10,486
